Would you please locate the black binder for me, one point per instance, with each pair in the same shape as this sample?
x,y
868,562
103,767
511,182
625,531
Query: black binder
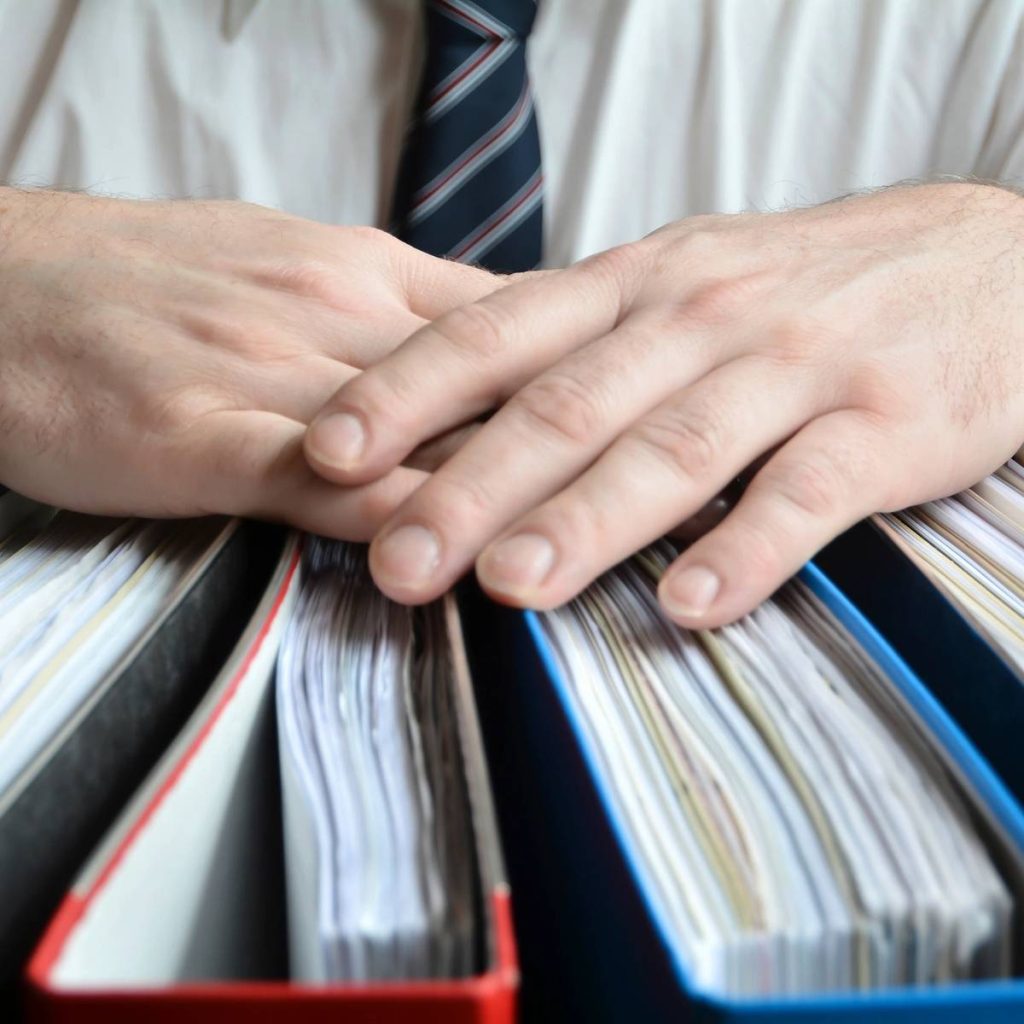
x,y
61,805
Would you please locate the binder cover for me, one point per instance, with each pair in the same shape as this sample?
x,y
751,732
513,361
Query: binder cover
x,y
180,914
592,945
59,808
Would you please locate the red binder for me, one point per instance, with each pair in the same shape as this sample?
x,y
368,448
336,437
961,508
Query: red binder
x,y
173,918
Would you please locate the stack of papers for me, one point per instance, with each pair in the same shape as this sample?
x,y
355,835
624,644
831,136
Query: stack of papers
x,y
972,547
76,594
791,824
378,837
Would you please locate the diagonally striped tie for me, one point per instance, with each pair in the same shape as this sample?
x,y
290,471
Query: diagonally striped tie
x,y
471,186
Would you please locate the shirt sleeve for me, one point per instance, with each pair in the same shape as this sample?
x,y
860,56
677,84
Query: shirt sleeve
x,y
1004,152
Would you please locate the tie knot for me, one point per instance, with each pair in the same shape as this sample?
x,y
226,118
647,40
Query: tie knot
x,y
459,21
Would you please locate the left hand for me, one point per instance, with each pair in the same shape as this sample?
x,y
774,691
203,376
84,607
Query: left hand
x,y
165,358
875,346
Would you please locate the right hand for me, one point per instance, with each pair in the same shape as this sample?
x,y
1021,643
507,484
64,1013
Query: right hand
x,y
164,358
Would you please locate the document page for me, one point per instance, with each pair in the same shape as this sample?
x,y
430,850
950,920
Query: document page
x,y
378,838
972,548
76,593
792,826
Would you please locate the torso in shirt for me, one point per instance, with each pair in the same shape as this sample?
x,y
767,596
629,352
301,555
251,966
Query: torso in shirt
x,y
649,110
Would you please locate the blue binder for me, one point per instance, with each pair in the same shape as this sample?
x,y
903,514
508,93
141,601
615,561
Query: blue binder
x,y
593,946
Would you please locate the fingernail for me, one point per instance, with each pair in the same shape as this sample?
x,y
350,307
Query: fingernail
x,y
338,440
689,593
517,564
407,556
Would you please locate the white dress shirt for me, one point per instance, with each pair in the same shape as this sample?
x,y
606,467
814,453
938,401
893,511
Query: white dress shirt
x,y
649,110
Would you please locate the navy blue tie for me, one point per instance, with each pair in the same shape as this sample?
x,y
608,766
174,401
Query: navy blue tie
x,y
471,188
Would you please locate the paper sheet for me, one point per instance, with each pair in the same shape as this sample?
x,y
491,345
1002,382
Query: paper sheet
x,y
972,547
76,592
378,838
791,823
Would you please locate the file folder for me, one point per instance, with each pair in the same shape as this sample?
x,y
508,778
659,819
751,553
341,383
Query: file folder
x,y
592,945
64,800
180,914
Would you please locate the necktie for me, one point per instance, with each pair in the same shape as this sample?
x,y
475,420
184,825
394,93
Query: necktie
x,y
470,187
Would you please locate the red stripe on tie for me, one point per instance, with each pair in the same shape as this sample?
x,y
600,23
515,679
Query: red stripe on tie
x,y
482,148
488,52
481,236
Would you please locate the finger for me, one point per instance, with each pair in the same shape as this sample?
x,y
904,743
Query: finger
x,y
251,464
824,480
262,325
658,473
541,440
450,371
710,515
433,286
438,450
344,513
359,340
296,389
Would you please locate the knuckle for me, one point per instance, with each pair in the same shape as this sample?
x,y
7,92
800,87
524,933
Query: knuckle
x,y
317,281
479,330
759,554
383,394
720,300
372,507
797,341
574,523
701,242
175,409
268,352
310,279
689,442
371,235
560,406
813,486
457,503
256,342
622,266
875,388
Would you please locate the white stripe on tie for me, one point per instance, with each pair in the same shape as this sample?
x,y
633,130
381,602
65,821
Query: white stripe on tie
x,y
473,159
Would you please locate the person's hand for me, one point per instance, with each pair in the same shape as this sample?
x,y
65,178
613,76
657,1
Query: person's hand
x,y
165,358
877,343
